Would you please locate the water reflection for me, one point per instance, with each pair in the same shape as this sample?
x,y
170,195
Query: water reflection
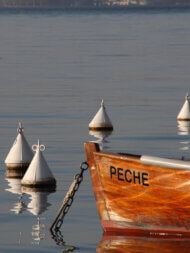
x,y
37,206
14,185
38,231
131,244
101,137
184,129
38,201
57,237
59,240
15,188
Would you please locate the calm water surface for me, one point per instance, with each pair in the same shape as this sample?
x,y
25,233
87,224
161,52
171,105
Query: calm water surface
x,y
55,68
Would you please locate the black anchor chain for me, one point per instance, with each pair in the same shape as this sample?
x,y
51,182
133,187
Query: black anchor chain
x,y
68,200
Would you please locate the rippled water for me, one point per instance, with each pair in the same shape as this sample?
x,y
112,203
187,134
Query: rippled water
x,y
55,68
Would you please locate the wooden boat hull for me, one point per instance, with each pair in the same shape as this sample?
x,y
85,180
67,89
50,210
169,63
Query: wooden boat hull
x,y
139,198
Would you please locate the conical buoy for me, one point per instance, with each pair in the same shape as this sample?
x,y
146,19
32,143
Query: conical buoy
x,y
19,156
101,120
184,113
38,173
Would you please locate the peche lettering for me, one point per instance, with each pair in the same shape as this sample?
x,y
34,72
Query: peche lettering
x,y
130,176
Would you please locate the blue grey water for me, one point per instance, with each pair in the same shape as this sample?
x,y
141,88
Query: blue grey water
x,y
55,68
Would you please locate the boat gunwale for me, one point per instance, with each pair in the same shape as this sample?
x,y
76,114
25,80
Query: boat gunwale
x,y
158,162
122,156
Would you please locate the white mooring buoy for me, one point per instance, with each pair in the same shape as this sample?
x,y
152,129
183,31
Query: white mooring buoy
x,y
101,120
38,173
19,156
184,113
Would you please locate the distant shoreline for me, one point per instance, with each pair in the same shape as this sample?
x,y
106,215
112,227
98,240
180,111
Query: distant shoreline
x,y
31,5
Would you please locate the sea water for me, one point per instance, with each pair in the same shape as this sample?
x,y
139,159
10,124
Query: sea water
x,y
55,68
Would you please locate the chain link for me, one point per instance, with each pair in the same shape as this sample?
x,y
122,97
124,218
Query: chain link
x,y
68,200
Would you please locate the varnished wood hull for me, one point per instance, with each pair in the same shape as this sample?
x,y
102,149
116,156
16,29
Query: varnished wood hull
x,y
138,198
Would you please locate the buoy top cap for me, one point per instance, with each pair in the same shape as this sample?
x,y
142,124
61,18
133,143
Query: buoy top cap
x,y
38,146
102,103
187,96
20,129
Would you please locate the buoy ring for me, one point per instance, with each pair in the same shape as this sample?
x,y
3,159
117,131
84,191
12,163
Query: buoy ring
x,y
36,146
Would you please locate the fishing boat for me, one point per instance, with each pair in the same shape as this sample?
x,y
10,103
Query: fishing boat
x,y
140,194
